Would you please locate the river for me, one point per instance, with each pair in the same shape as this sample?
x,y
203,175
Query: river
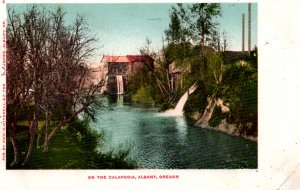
x,y
165,142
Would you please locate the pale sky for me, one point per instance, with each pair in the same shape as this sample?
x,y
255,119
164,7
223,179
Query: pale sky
x,y
123,28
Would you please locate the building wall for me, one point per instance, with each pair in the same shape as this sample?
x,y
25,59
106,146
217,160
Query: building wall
x,y
119,68
115,67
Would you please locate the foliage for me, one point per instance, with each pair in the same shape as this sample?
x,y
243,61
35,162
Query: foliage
x,y
204,20
73,148
182,32
252,58
150,84
194,23
143,94
239,90
198,100
216,117
178,53
179,31
47,71
193,42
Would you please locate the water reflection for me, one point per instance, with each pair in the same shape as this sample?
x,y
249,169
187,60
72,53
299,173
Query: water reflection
x,y
181,126
120,99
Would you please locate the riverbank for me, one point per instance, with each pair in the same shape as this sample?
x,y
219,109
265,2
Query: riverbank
x,y
230,129
74,147
159,141
223,126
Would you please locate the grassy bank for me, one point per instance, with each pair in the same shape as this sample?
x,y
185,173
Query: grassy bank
x,y
73,147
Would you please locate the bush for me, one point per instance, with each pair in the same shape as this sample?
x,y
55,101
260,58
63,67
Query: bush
x,y
239,89
198,100
216,117
143,95
73,148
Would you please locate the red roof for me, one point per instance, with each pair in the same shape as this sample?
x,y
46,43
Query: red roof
x,y
140,58
114,59
127,58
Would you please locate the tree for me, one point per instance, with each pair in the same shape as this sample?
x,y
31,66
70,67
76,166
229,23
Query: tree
x,y
179,31
47,72
157,74
179,34
192,29
174,32
212,78
205,24
17,79
145,50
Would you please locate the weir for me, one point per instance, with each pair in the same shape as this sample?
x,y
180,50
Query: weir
x,y
178,111
120,84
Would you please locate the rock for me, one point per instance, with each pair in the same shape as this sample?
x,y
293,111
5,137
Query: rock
x,y
195,115
224,108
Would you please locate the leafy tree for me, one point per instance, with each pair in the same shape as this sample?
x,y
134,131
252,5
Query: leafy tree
x,y
179,31
192,27
204,15
239,90
174,32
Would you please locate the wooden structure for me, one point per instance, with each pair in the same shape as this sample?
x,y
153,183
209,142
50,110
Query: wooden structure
x,y
119,69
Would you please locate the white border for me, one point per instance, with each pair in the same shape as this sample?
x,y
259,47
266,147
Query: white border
x,y
2,81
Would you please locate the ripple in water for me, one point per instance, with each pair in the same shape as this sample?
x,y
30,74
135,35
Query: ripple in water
x,y
160,141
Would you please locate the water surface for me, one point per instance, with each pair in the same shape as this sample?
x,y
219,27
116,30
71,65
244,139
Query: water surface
x,y
159,141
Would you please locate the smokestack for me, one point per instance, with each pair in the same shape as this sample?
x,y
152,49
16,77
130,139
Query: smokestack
x,y
243,33
249,28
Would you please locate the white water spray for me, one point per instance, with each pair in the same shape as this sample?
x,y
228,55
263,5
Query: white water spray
x,y
120,84
178,111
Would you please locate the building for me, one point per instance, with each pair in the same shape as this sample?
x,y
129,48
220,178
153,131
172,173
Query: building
x,y
232,56
175,76
119,69
176,73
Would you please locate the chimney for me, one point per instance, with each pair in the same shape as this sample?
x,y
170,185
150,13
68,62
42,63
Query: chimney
x,y
243,33
249,28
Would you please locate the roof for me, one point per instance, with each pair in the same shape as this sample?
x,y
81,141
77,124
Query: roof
x,y
140,58
127,58
232,55
114,59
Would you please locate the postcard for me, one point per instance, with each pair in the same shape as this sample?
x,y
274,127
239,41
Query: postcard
x,y
148,95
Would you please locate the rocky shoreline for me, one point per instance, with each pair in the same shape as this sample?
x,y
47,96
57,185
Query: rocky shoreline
x,y
223,126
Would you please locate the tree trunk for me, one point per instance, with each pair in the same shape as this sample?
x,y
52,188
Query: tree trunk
x,y
47,140
40,134
212,102
208,112
44,130
168,78
161,90
12,137
63,122
32,130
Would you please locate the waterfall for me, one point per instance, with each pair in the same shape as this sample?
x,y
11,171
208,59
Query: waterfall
x,y
178,111
120,99
120,84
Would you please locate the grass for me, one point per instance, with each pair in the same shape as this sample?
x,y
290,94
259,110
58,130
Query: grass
x,y
67,151
25,124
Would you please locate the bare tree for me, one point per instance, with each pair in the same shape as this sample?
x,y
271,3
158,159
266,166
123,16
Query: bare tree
x,y
18,82
50,63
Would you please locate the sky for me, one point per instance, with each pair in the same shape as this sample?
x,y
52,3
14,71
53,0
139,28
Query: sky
x,y
122,29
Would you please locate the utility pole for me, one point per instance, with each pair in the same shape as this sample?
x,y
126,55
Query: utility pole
x,y
249,28
243,33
